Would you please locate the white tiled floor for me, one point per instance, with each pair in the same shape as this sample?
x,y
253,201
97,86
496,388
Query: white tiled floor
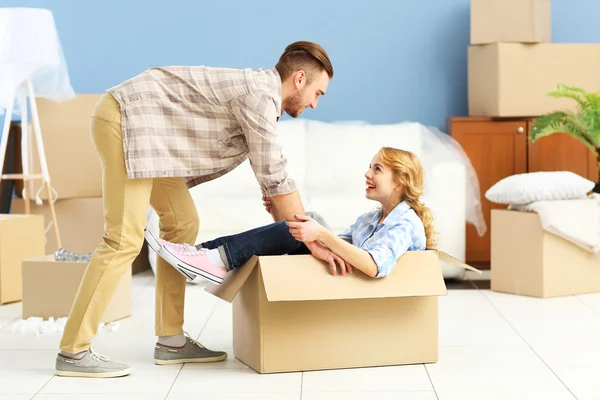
x,y
492,346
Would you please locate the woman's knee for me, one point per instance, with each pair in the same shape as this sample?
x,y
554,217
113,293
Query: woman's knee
x,y
317,217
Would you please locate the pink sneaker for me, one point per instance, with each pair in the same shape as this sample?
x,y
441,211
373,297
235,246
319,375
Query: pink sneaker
x,y
156,244
189,259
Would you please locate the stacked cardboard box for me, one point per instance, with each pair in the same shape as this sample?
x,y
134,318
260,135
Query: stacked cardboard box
x,y
512,64
49,286
75,173
21,237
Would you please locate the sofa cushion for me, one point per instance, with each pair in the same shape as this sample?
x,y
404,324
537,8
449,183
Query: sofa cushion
x,y
341,210
338,155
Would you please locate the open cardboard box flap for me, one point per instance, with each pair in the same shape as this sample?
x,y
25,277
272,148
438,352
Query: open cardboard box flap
x,y
304,278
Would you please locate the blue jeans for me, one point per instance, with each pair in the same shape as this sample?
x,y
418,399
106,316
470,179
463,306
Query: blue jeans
x,y
270,240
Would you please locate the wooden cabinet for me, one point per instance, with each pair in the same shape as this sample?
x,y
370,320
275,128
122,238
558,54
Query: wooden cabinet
x,y
499,148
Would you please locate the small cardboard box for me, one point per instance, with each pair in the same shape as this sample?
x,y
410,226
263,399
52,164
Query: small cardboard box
x,y
21,237
50,286
81,226
518,21
80,222
527,260
73,161
513,79
291,314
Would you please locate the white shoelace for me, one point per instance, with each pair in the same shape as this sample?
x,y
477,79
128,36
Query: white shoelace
x,y
185,249
97,356
192,340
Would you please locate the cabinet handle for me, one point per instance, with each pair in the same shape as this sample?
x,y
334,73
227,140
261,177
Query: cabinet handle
x,y
520,130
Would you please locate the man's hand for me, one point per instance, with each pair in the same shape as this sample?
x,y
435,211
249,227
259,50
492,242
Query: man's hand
x,y
266,202
306,231
323,253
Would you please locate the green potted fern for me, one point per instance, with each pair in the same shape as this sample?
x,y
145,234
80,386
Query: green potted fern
x,y
584,124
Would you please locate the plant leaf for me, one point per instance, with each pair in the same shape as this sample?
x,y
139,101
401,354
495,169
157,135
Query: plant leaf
x,y
558,126
579,95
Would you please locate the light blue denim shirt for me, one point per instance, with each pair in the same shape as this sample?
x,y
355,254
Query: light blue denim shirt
x,y
400,232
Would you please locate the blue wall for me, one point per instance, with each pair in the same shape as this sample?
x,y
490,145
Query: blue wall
x,y
394,60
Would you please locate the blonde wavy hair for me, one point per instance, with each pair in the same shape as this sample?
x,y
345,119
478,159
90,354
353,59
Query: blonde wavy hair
x,y
408,172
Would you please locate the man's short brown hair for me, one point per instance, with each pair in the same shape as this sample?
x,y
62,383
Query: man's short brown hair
x,y
307,56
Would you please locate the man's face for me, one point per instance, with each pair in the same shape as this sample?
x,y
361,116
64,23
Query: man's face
x,y
307,95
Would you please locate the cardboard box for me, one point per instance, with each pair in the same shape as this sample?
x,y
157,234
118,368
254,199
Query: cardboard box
x,y
73,163
21,237
49,289
512,79
81,226
527,260
518,21
291,314
80,222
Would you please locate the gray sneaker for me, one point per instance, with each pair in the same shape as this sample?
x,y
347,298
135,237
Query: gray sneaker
x,y
191,352
91,365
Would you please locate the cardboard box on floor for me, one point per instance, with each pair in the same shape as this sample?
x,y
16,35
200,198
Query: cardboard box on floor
x,y
527,260
81,225
73,163
513,79
291,314
21,237
49,289
518,21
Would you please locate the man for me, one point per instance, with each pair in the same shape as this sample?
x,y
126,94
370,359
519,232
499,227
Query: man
x,y
157,135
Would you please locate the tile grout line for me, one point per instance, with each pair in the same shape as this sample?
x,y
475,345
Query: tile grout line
x,y
529,345
174,380
12,321
431,381
197,339
207,319
587,305
42,388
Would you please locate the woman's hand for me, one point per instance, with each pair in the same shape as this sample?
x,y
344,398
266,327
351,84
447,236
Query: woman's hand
x,y
323,253
308,230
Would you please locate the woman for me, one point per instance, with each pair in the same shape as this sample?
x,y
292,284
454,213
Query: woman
x,y
372,244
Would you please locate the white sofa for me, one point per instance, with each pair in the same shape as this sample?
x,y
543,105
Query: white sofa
x,y
328,161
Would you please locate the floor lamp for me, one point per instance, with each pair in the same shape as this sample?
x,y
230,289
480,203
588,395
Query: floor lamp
x,y
32,65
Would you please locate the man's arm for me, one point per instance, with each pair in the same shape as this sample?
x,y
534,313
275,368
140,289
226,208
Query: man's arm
x,y
257,115
286,206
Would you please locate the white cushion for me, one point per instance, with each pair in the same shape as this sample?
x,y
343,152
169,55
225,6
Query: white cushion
x,y
530,187
340,211
292,136
338,155
240,180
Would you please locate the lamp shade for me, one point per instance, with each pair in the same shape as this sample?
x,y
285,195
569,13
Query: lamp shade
x,y
30,49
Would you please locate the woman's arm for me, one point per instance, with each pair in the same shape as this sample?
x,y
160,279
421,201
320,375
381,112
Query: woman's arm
x,y
310,230
357,257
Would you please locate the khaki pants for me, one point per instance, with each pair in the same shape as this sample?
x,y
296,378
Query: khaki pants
x,y
125,209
